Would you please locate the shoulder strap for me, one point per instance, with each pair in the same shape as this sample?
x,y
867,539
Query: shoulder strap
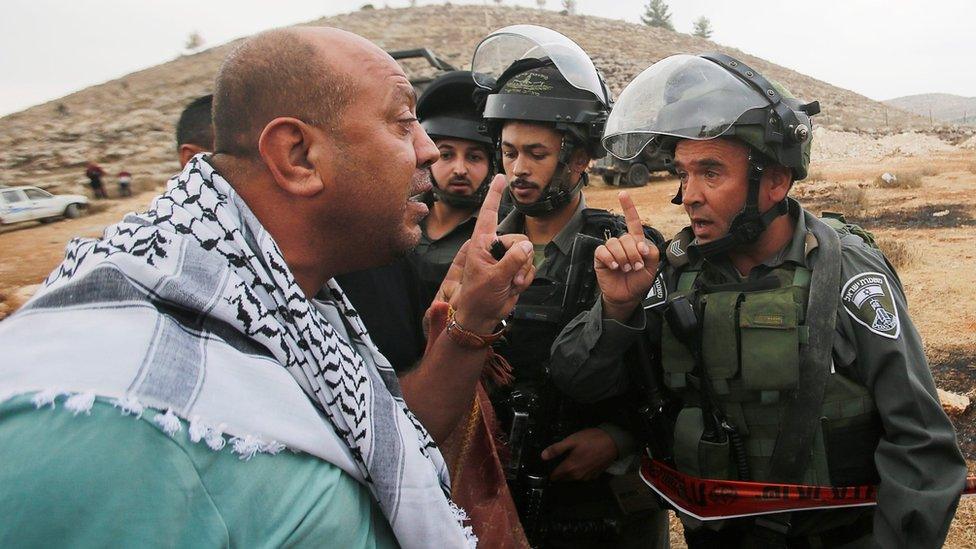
x,y
791,454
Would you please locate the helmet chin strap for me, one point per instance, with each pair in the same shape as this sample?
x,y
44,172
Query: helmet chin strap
x,y
747,225
556,194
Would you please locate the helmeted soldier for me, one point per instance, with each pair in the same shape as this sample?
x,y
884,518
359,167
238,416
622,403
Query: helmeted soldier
x,y
544,108
785,338
460,177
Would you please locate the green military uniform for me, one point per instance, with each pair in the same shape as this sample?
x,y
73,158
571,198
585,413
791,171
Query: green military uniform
x,y
527,350
881,420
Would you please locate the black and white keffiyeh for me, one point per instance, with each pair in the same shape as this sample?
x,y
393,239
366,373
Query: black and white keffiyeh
x,y
190,307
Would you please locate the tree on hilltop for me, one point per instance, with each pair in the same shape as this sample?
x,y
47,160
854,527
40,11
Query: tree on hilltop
x,y
540,3
569,6
703,28
194,41
656,14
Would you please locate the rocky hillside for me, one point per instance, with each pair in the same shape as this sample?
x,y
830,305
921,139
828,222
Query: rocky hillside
x,y
944,107
128,123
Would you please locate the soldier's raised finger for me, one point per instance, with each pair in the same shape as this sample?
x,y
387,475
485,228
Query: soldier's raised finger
x,y
634,226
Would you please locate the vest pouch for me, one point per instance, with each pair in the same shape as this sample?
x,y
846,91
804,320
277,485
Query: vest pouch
x,y
697,457
676,359
720,347
769,341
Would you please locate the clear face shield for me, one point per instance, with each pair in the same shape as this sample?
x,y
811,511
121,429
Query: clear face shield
x,y
510,44
682,96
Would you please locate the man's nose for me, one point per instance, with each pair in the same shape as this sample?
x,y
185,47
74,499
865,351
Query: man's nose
x,y
691,194
425,148
519,168
460,166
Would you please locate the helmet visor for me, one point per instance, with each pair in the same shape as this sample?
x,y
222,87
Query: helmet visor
x,y
510,44
682,96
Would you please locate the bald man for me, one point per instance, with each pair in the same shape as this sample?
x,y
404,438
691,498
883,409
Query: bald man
x,y
246,404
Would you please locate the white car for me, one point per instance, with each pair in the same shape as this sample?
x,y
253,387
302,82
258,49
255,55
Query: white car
x,y
26,203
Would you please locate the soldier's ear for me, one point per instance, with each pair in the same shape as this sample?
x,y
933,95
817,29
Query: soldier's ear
x,y
777,181
579,161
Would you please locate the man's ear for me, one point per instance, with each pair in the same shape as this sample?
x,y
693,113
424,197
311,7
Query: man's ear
x,y
579,161
284,146
777,180
188,151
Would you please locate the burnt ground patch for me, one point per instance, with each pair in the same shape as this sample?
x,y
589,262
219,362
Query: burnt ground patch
x,y
956,371
923,217
956,215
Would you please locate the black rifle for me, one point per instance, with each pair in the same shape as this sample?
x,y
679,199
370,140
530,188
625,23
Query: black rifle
x,y
534,427
657,409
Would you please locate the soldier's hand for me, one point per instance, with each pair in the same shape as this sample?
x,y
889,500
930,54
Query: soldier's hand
x,y
588,453
482,289
625,266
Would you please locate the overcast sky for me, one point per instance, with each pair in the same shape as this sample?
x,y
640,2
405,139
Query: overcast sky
x,y
879,48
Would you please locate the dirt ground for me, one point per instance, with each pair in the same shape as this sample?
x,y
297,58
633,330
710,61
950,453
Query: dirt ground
x,y
931,226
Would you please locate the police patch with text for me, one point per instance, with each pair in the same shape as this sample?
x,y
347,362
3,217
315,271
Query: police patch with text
x,y
658,293
867,298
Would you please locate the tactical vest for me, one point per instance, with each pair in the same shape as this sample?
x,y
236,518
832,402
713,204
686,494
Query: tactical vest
x,y
750,343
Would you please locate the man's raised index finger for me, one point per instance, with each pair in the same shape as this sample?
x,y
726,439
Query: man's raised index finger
x,y
488,216
634,226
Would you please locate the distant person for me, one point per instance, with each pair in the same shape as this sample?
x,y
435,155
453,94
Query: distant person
x,y
94,173
194,130
125,183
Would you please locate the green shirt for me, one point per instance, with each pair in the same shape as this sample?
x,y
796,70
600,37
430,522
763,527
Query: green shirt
x,y
103,479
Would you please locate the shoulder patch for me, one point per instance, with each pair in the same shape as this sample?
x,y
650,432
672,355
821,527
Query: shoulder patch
x,y
658,293
867,299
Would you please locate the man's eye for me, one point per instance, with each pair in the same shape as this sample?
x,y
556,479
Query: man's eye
x,y
475,158
538,156
509,154
446,156
682,177
711,175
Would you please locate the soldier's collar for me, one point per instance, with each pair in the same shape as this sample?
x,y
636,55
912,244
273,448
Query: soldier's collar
x,y
797,249
564,238
514,222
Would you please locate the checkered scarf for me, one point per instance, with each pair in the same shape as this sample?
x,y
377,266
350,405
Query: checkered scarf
x,y
202,262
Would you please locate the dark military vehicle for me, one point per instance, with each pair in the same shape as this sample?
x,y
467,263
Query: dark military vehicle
x,y
632,173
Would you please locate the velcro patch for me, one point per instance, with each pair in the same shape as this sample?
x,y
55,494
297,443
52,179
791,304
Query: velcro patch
x,y
658,293
867,298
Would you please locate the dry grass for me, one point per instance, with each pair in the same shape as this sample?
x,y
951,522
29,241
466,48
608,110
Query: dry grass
x,y
900,253
929,171
851,199
905,180
815,175
972,167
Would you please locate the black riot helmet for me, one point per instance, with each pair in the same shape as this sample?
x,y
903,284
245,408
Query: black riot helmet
x,y
447,109
709,96
535,74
